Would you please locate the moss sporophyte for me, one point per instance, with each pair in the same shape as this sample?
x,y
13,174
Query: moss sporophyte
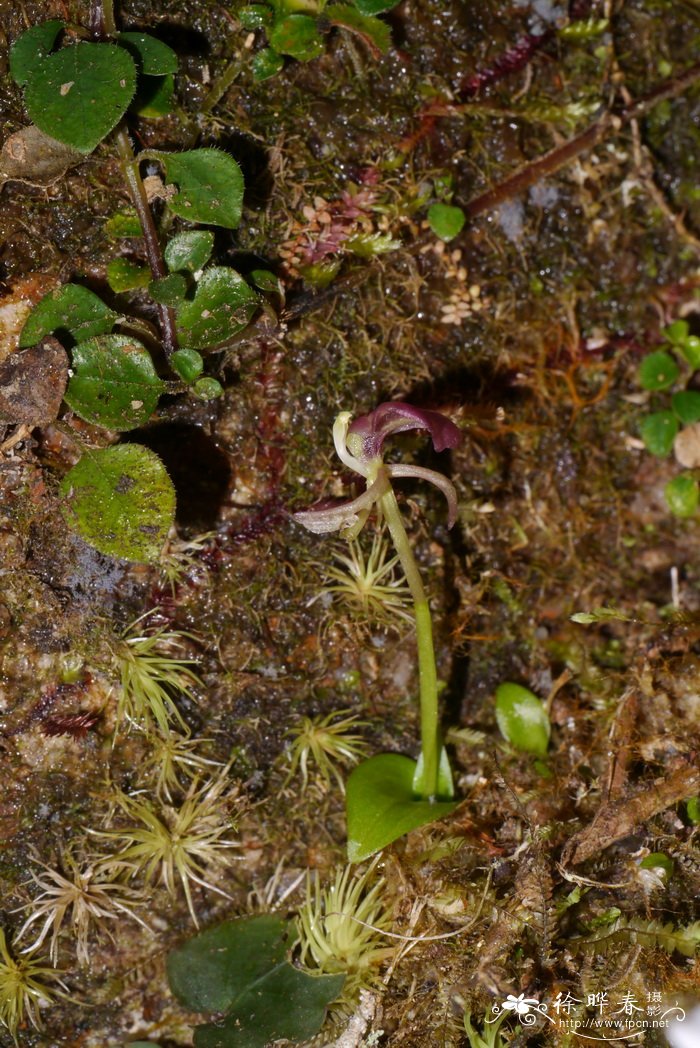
x,y
389,795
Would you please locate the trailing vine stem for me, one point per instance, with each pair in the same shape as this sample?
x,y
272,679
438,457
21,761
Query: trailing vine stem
x,y
104,26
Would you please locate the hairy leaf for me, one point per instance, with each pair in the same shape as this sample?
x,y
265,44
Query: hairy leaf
x,y
72,309
31,47
298,36
222,306
153,57
121,501
191,250
114,382
79,94
210,185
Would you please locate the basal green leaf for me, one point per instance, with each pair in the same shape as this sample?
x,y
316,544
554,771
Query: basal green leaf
x,y
522,719
375,7
123,275
446,221
372,30
191,250
170,290
222,306
658,371
208,388
266,63
73,309
114,383
298,36
286,1004
682,495
31,47
121,501
381,805
79,94
210,185
187,363
658,431
153,57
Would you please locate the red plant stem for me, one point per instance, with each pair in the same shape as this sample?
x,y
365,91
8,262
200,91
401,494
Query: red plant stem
x,y
561,155
511,61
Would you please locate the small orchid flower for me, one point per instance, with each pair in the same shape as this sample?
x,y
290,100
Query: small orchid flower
x,y
360,447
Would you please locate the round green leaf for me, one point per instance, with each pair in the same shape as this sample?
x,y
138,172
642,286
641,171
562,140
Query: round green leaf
x,y
210,185
298,36
686,406
692,809
677,332
682,495
123,224
31,47
658,371
191,250
114,382
374,7
446,221
691,351
522,719
266,63
168,291
187,363
121,501
658,431
208,388
153,57
222,306
71,308
256,16
658,861
79,94
123,275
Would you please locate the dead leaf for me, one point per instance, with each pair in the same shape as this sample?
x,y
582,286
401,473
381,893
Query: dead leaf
x,y
32,383
31,156
686,446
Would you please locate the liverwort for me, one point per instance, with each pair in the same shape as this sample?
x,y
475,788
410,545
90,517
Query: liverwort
x,y
389,795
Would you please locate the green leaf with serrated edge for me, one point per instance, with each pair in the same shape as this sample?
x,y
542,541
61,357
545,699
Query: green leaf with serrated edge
x,y
210,185
153,57
222,306
31,47
79,94
686,406
658,431
123,224
381,805
682,495
374,7
114,383
240,968
155,97
121,501
187,363
373,31
658,371
71,308
191,250
123,275
266,63
522,719
168,291
298,36
446,221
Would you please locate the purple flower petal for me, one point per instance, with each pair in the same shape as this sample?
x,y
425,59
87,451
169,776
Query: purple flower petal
x,y
397,417
342,515
433,477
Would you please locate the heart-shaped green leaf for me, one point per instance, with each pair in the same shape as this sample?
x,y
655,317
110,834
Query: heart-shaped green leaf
x,y
210,185
121,501
114,383
446,221
240,968
79,94
191,250
72,309
222,306
381,805
153,57
658,371
31,47
266,63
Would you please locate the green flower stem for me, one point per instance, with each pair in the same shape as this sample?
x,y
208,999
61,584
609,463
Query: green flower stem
x,y
427,673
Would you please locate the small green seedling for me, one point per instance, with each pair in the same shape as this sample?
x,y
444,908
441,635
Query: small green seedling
x,y
119,498
297,28
390,794
446,221
522,719
662,430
